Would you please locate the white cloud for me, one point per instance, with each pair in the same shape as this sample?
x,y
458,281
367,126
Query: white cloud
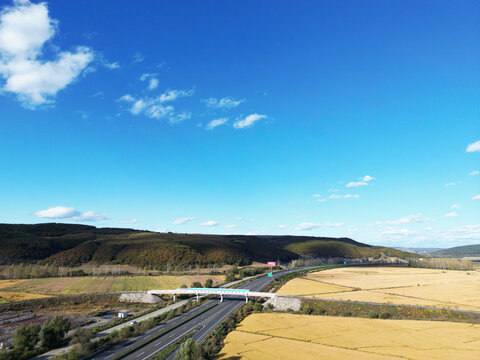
x,y
347,196
455,206
473,173
248,121
182,221
232,226
154,107
112,66
283,227
90,216
306,226
397,232
223,103
476,197
356,184
317,195
310,226
62,212
239,218
217,122
210,223
368,178
406,220
321,200
451,214
57,212
152,80
474,147
24,29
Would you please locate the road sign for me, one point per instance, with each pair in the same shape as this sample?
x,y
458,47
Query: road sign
x,y
271,263
270,274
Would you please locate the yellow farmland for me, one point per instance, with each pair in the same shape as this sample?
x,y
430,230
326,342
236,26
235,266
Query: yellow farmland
x,y
288,336
97,284
407,286
6,296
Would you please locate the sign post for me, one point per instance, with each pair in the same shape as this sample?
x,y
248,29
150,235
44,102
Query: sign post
x,y
271,264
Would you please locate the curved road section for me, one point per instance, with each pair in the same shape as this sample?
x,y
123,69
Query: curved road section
x,y
205,323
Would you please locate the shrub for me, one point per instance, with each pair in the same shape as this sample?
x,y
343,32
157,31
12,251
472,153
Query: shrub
x,y
26,337
53,331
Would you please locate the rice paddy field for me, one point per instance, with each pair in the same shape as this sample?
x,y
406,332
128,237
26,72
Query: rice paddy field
x,y
15,290
395,285
263,336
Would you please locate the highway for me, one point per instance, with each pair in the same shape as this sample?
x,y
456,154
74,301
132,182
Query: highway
x,y
204,323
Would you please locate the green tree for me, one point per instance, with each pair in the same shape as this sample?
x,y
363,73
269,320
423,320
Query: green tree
x,y
208,283
189,350
82,336
230,277
53,331
196,284
26,337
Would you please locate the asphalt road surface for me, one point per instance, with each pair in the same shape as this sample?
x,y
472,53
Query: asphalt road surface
x,y
205,323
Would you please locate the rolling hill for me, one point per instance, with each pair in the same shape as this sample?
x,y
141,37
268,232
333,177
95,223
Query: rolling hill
x,y
458,251
73,245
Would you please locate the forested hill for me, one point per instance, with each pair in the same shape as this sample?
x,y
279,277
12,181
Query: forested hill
x,y
73,245
459,251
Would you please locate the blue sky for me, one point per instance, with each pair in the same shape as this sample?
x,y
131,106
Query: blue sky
x,y
356,119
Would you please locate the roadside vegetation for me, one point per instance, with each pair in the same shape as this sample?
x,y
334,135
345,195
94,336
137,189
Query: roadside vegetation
x,y
31,340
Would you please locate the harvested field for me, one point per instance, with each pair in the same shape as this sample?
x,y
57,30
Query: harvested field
x,y
100,284
406,286
285,336
6,296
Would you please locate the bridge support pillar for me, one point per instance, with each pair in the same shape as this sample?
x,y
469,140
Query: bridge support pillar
x,y
198,298
246,298
221,297
174,297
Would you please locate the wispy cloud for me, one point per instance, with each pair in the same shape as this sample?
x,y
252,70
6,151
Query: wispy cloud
x,y
138,58
397,232
248,121
474,147
473,173
283,227
183,220
223,103
356,184
476,197
152,80
451,214
406,220
454,183
210,223
63,212
156,107
24,29
217,122
231,226
455,206
368,178
347,196
310,226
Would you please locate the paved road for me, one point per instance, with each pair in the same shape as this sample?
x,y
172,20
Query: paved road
x,y
205,322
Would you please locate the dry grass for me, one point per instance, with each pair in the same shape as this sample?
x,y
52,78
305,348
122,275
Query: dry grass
x,y
99,284
286,336
405,286
7,283
309,287
6,296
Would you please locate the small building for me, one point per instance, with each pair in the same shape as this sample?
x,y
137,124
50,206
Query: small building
x,y
122,314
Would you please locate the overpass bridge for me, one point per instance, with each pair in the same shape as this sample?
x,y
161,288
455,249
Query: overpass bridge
x,y
214,291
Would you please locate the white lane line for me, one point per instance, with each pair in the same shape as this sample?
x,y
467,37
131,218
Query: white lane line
x,y
140,354
110,356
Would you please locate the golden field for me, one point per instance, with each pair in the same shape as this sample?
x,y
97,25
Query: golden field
x,y
97,284
404,286
287,336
